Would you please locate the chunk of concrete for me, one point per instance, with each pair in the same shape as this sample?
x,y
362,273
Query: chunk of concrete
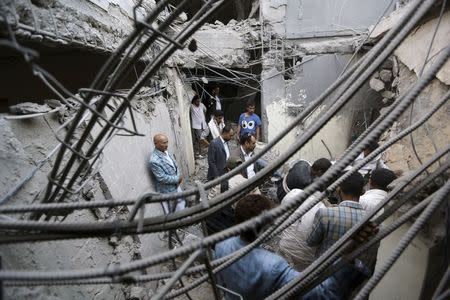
x,y
376,84
136,293
27,108
388,94
385,75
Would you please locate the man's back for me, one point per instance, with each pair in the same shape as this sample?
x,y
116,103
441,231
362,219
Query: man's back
x,y
256,275
332,223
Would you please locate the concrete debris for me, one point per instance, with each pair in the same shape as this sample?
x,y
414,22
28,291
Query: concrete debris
x,y
52,103
385,75
388,94
376,84
27,108
137,293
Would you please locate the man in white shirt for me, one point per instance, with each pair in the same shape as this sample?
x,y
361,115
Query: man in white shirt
x,y
293,245
198,123
216,124
379,180
375,163
216,99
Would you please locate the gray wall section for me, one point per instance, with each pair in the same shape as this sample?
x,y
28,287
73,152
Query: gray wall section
x,y
314,76
313,18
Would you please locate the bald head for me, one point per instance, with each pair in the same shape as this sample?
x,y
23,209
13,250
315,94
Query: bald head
x,y
161,142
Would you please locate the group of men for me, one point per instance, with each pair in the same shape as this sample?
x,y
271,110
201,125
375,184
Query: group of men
x,y
203,131
261,272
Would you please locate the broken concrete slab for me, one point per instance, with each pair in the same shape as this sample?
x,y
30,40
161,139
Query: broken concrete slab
x,y
376,84
27,108
385,75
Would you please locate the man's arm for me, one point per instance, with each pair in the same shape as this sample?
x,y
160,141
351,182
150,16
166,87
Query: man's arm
x,y
212,152
258,130
315,236
161,175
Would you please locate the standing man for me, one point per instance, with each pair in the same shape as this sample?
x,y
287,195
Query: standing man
x,y
245,152
214,102
199,126
331,223
249,122
378,182
216,124
218,153
166,172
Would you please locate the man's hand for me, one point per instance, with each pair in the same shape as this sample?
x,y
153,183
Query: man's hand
x,y
366,232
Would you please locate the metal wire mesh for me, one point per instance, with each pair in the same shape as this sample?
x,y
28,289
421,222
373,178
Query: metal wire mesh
x,y
76,162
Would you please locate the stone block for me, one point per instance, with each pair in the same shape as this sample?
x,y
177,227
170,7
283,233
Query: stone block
x,y
376,84
385,75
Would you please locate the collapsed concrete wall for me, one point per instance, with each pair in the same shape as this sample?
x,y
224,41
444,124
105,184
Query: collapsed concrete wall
x,y
96,24
298,67
123,174
425,255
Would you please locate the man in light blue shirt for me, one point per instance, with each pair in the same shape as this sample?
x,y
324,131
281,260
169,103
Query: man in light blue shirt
x,y
259,273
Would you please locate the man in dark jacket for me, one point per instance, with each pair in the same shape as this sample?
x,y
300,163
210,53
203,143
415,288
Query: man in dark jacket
x,y
218,153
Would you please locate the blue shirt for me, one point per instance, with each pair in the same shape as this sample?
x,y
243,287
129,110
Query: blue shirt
x,y
256,275
249,124
260,273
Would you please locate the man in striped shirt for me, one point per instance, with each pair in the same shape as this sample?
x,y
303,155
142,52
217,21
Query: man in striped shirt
x,y
331,223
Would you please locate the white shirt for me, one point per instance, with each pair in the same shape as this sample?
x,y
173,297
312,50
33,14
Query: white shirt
x,y
375,163
218,104
293,239
198,116
168,158
216,129
371,199
251,168
225,145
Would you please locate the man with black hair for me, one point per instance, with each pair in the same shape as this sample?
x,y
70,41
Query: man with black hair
x,y
218,153
199,127
245,152
216,124
249,122
260,272
319,167
331,223
379,180
375,163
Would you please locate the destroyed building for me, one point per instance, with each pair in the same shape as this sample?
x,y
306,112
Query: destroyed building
x,y
85,85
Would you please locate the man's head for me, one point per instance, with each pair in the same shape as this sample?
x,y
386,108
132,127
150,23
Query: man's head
x,y
319,167
369,149
250,107
218,116
298,177
227,133
248,207
248,142
161,142
216,90
352,187
380,179
195,100
233,162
